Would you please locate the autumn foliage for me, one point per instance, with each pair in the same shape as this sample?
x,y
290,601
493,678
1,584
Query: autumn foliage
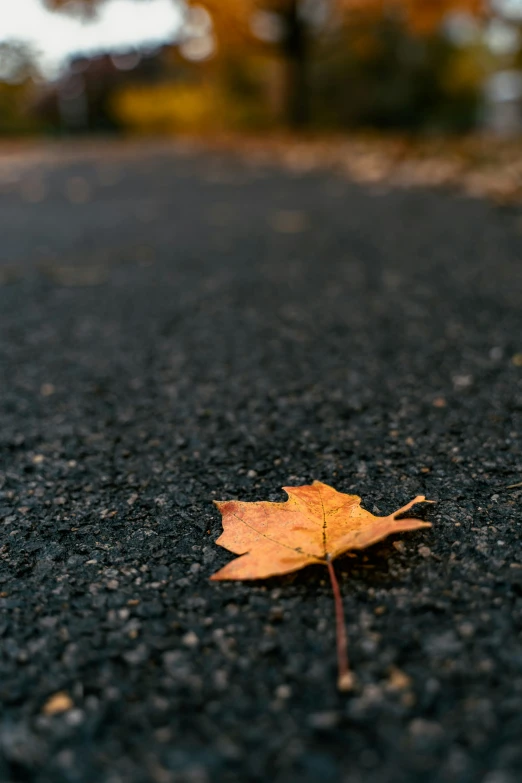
x,y
295,28
333,64
316,524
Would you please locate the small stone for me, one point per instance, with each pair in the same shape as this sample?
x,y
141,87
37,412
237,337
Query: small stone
x,y
424,551
75,717
442,644
322,721
369,646
113,584
228,749
38,459
190,640
276,614
136,656
267,646
163,734
46,389
398,680
221,679
516,360
432,686
151,609
65,758
252,474
425,729
372,694
48,622
462,381
283,692
466,630
439,402
58,703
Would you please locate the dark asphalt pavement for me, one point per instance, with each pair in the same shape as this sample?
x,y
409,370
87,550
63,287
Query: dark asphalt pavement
x,y
180,327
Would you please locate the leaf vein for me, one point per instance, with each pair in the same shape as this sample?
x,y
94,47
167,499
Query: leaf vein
x,y
275,541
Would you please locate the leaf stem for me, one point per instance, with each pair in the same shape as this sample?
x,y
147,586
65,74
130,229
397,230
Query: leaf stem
x,y
345,679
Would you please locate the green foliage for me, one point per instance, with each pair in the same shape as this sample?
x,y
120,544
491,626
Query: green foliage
x,y
383,77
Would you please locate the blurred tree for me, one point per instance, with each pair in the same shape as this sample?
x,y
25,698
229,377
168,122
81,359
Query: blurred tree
x,y
292,29
83,98
18,73
289,29
380,74
17,62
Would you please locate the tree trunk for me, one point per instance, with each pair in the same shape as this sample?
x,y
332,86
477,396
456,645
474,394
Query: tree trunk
x,y
295,51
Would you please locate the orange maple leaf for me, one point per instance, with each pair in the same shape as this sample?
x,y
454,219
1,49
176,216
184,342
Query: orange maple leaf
x,y
314,526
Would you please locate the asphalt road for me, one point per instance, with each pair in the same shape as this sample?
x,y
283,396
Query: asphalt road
x,y
178,327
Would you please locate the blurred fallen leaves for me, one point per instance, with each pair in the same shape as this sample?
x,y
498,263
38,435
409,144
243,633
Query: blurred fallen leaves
x,y
315,525
479,165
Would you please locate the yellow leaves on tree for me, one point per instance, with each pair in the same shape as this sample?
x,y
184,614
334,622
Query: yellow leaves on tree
x,y
234,32
294,27
315,525
424,16
233,18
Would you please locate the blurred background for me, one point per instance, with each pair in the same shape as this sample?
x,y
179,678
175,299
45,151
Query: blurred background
x,y
208,66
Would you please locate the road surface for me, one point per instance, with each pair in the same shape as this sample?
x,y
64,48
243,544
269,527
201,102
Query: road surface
x,y
180,326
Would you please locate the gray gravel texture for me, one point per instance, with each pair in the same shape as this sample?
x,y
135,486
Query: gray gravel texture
x,y
180,327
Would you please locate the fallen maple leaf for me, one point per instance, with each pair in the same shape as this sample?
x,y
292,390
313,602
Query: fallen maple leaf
x,y
314,526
